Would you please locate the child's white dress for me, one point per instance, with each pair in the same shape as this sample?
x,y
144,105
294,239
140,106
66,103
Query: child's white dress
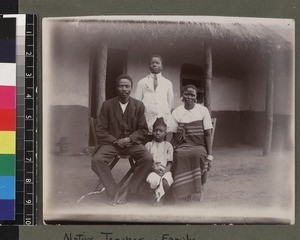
x,y
162,154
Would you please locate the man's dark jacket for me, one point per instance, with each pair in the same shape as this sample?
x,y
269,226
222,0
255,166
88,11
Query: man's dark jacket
x,y
112,122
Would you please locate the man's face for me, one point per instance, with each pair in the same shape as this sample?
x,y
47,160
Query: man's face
x,y
190,95
124,88
156,65
159,133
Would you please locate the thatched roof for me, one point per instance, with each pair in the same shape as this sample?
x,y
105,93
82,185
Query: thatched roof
x,y
249,33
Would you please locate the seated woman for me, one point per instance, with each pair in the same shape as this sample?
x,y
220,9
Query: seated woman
x,y
192,147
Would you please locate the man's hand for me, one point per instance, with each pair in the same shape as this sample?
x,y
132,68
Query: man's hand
x,y
123,142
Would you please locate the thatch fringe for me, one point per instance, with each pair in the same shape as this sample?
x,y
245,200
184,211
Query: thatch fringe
x,y
242,34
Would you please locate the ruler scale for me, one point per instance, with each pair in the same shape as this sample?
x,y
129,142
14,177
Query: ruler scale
x,y
25,122
30,161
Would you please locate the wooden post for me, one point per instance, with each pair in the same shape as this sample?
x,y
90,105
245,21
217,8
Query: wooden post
x,y
101,77
208,76
269,108
92,59
97,78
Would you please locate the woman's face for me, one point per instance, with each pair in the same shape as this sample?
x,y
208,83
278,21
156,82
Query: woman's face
x,y
189,96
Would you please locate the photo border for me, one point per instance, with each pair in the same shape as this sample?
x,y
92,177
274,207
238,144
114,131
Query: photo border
x,y
254,8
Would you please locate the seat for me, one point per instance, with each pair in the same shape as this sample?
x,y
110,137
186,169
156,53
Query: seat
x,y
116,159
99,187
214,123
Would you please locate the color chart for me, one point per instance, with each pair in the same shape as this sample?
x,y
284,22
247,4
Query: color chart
x,y
7,118
22,161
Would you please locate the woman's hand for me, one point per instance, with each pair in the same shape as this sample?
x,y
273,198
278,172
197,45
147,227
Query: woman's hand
x,y
209,159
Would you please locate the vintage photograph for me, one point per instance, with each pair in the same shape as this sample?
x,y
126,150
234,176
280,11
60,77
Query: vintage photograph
x,y
168,119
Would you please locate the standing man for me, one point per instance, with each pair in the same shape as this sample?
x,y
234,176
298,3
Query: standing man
x,y
156,92
120,130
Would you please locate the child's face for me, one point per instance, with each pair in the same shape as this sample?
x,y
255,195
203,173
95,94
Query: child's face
x,y
156,65
159,133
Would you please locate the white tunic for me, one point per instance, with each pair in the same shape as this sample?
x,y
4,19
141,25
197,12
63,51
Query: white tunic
x,y
198,112
158,103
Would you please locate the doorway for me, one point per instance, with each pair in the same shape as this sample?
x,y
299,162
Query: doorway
x,y
193,74
116,65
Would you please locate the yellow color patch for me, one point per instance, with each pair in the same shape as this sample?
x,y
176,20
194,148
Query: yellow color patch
x,y
7,142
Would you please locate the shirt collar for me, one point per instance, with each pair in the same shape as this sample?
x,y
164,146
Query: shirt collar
x,y
157,75
123,104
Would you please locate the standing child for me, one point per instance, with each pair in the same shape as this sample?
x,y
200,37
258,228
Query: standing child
x,y
160,179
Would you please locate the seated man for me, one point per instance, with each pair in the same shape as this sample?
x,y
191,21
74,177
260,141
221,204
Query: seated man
x,y
120,130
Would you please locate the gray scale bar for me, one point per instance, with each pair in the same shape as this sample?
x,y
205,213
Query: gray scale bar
x,y
20,100
21,70
20,122
20,60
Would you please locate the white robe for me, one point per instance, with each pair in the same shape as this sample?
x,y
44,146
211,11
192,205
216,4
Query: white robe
x,y
158,103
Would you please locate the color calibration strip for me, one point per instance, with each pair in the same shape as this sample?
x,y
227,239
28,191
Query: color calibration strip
x,y
25,120
7,118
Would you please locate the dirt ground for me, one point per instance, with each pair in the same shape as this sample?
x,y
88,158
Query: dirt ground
x,y
243,187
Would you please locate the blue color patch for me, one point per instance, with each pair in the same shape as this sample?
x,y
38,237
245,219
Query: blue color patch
x,y
7,209
8,51
7,187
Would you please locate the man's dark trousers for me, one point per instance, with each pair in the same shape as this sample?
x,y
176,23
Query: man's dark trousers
x,y
106,153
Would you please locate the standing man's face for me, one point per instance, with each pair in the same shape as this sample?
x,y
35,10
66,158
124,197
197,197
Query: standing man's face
x,y
124,88
156,65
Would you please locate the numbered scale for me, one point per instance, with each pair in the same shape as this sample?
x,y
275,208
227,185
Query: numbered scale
x,y
30,123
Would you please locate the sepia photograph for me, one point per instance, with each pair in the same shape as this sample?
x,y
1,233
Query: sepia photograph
x,y
168,119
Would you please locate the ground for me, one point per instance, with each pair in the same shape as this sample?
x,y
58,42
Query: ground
x,y
243,187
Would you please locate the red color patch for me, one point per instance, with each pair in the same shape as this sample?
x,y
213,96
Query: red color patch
x,y
7,119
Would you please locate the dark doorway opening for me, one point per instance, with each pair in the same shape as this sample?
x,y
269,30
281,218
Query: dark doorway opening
x,y
116,65
193,74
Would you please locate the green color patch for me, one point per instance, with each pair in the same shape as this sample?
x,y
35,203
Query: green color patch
x,y
7,164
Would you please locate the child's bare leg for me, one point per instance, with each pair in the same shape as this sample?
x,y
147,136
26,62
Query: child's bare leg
x,y
165,185
166,188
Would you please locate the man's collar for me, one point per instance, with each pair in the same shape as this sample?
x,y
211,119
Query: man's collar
x,y
123,103
157,75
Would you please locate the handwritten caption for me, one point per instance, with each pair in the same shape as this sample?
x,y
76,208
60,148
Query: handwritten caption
x,y
112,236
